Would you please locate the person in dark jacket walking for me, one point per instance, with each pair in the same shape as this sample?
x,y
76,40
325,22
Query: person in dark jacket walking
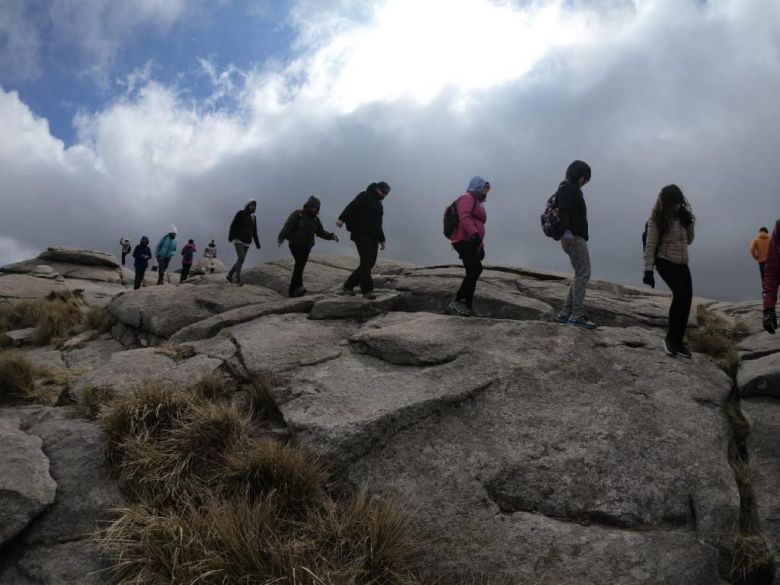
x,y
669,233
187,253
363,217
243,230
468,239
772,280
300,230
142,254
573,215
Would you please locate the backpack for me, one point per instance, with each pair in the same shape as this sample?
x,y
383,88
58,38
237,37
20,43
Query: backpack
x,y
551,220
451,218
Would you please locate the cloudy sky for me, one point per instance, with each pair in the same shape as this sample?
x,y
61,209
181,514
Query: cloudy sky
x,y
120,117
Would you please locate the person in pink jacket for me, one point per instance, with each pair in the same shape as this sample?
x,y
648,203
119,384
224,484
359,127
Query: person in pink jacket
x,y
468,239
772,280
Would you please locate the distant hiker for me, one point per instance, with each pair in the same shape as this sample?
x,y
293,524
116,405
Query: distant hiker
x,y
669,233
125,243
211,250
164,251
187,253
300,229
363,217
759,248
468,239
772,279
142,254
573,222
243,229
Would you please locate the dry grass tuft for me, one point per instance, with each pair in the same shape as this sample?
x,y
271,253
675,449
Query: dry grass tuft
x,y
17,376
267,466
53,316
99,319
751,560
717,336
261,403
212,386
92,400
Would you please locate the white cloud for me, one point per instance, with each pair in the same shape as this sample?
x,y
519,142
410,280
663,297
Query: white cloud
x,y
19,42
648,92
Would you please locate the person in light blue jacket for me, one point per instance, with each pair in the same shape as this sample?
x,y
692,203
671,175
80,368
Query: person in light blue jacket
x,y
164,251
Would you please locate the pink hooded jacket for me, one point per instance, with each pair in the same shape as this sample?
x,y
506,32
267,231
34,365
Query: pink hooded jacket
x,y
471,219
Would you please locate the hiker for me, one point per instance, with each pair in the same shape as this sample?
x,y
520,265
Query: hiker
x,y
363,218
211,250
669,233
125,243
468,239
142,255
300,229
187,253
573,217
243,229
758,249
164,251
772,279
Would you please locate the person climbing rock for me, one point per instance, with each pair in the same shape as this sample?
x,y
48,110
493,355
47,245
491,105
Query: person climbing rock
x,y
243,230
142,254
772,279
126,248
759,248
164,251
188,254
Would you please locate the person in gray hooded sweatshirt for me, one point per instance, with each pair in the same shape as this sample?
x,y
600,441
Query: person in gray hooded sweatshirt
x,y
573,215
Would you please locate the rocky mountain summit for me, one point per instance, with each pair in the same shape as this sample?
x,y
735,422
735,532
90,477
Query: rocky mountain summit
x,y
521,450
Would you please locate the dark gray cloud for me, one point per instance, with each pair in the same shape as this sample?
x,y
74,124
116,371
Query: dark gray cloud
x,y
682,95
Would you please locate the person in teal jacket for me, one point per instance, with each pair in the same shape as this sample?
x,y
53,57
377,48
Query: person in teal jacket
x,y
164,251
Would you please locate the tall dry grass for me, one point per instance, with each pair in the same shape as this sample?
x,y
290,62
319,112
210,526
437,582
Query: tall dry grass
x,y
717,336
53,316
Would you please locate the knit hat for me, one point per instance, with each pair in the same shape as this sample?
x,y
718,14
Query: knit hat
x,y
577,170
476,184
173,230
312,202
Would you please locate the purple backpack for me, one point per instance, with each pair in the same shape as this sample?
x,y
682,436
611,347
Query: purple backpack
x,y
551,221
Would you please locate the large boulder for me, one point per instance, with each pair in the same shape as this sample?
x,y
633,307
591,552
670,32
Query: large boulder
x,y
20,287
69,255
163,310
531,448
26,486
355,307
760,376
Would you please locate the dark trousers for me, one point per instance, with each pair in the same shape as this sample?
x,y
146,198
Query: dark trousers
x,y
139,277
301,255
761,267
162,266
241,251
368,249
124,254
678,278
185,271
472,256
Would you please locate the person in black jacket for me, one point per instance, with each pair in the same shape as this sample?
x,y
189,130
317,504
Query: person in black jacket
x,y
141,254
363,217
573,216
300,229
243,229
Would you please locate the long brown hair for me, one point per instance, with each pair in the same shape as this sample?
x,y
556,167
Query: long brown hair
x,y
665,208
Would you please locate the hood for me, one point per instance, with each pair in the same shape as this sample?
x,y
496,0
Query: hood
x,y
763,236
577,170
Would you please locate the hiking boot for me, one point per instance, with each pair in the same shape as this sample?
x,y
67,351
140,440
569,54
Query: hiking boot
x,y
669,347
239,283
682,350
346,291
369,296
229,278
561,318
298,292
581,322
460,308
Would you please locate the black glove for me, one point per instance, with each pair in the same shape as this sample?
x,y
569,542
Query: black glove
x,y
476,240
770,321
649,278
685,217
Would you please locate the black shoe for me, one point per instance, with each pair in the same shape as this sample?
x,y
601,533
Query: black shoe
x,y
669,348
347,291
369,296
298,292
683,351
229,278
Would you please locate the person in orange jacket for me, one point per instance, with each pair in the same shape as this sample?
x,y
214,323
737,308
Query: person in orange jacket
x,y
759,248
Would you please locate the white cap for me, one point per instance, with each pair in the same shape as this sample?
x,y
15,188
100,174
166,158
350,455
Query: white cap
x,y
173,230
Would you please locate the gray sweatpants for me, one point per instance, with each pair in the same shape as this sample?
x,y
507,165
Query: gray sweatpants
x,y
580,261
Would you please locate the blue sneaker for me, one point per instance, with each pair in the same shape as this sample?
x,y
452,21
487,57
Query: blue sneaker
x,y
581,322
561,318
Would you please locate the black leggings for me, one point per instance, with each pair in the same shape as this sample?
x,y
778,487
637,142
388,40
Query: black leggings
x,y
139,277
678,278
471,254
301,255
368,249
